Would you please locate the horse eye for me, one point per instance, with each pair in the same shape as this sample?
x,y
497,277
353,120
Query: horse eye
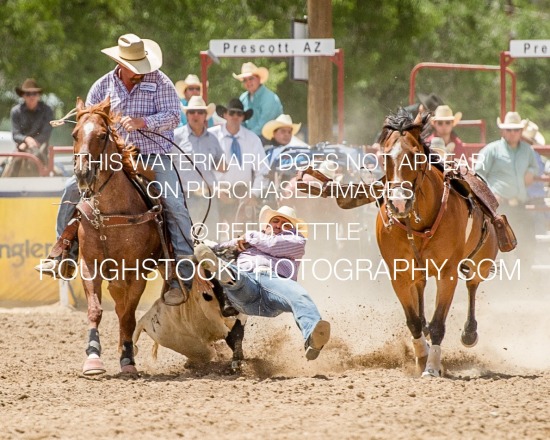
x,y
103,136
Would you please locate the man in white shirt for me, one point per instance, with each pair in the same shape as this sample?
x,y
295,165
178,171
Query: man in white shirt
x,y
247,168
201,155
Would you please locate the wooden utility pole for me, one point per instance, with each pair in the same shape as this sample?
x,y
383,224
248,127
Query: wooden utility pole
x,y
319,101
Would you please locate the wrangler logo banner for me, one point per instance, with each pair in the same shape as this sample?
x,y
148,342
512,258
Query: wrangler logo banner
x,y
27,234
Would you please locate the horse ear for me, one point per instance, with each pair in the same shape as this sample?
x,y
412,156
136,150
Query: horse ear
x,y
106,104
79,104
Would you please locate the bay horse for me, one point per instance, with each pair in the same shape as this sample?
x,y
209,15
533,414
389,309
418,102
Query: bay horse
x,y
447,228
117,230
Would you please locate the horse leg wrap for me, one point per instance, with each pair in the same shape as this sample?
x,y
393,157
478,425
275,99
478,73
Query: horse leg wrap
x,y
94,346
127,356
433,365
421,347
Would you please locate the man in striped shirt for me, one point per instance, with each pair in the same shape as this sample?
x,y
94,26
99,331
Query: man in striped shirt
x,y
262,282
146,99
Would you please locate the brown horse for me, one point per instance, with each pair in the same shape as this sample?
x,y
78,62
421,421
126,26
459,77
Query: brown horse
x,y
447,228
109,192
119,241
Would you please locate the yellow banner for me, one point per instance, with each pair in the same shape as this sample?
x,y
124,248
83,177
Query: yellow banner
x,y
27,233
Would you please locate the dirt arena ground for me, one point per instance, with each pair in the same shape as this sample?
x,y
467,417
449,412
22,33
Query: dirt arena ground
x,y
363,386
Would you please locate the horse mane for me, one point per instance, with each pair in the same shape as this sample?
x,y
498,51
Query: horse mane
x,y
129,153
403,121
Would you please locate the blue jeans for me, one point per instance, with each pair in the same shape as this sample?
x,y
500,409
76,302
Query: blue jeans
x,y
266,294
176,215
66,211
175,212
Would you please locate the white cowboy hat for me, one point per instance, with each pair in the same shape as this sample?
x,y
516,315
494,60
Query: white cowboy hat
x,y
532,134
281,121
190,80
249,69
197,103
266,214
512,121
445,113
438,146
139,55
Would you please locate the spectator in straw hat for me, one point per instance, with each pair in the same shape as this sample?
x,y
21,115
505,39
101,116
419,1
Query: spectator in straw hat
x,y
263,279
443,123
190,86
203,149
265,103
509,164
30,125
282,132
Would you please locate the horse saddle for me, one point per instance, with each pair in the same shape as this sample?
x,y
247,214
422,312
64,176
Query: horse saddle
x,y
467,182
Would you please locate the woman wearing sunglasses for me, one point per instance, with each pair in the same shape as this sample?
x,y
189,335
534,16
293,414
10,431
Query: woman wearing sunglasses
x,y
443,123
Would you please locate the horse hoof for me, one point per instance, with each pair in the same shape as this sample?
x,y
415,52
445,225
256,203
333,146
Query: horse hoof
x,y
469,340
93,366
128,369
236,366
430,373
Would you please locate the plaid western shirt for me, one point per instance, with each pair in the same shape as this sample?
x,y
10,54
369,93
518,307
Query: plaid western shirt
x,y
279,252
154,99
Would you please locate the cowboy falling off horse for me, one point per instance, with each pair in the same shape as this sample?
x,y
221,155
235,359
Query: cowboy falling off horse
x,y
107,217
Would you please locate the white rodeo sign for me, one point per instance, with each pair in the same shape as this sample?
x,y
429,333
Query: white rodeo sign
x,y
530,48
273,47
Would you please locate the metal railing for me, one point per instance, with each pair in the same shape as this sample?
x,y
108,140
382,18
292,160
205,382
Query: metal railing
x,y
44,170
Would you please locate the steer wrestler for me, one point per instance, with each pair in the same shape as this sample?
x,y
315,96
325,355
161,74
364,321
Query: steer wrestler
x,y
262,281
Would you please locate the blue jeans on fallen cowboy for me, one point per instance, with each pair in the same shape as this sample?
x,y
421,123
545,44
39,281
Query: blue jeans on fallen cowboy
x,y
266,294
176,215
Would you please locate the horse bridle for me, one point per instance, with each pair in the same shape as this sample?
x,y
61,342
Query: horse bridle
x,y
391,218
89,192
427,234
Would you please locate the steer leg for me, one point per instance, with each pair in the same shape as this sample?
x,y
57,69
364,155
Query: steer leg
x,y
226,307
235,341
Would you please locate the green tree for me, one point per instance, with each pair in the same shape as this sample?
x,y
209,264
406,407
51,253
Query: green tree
x,y
59,44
